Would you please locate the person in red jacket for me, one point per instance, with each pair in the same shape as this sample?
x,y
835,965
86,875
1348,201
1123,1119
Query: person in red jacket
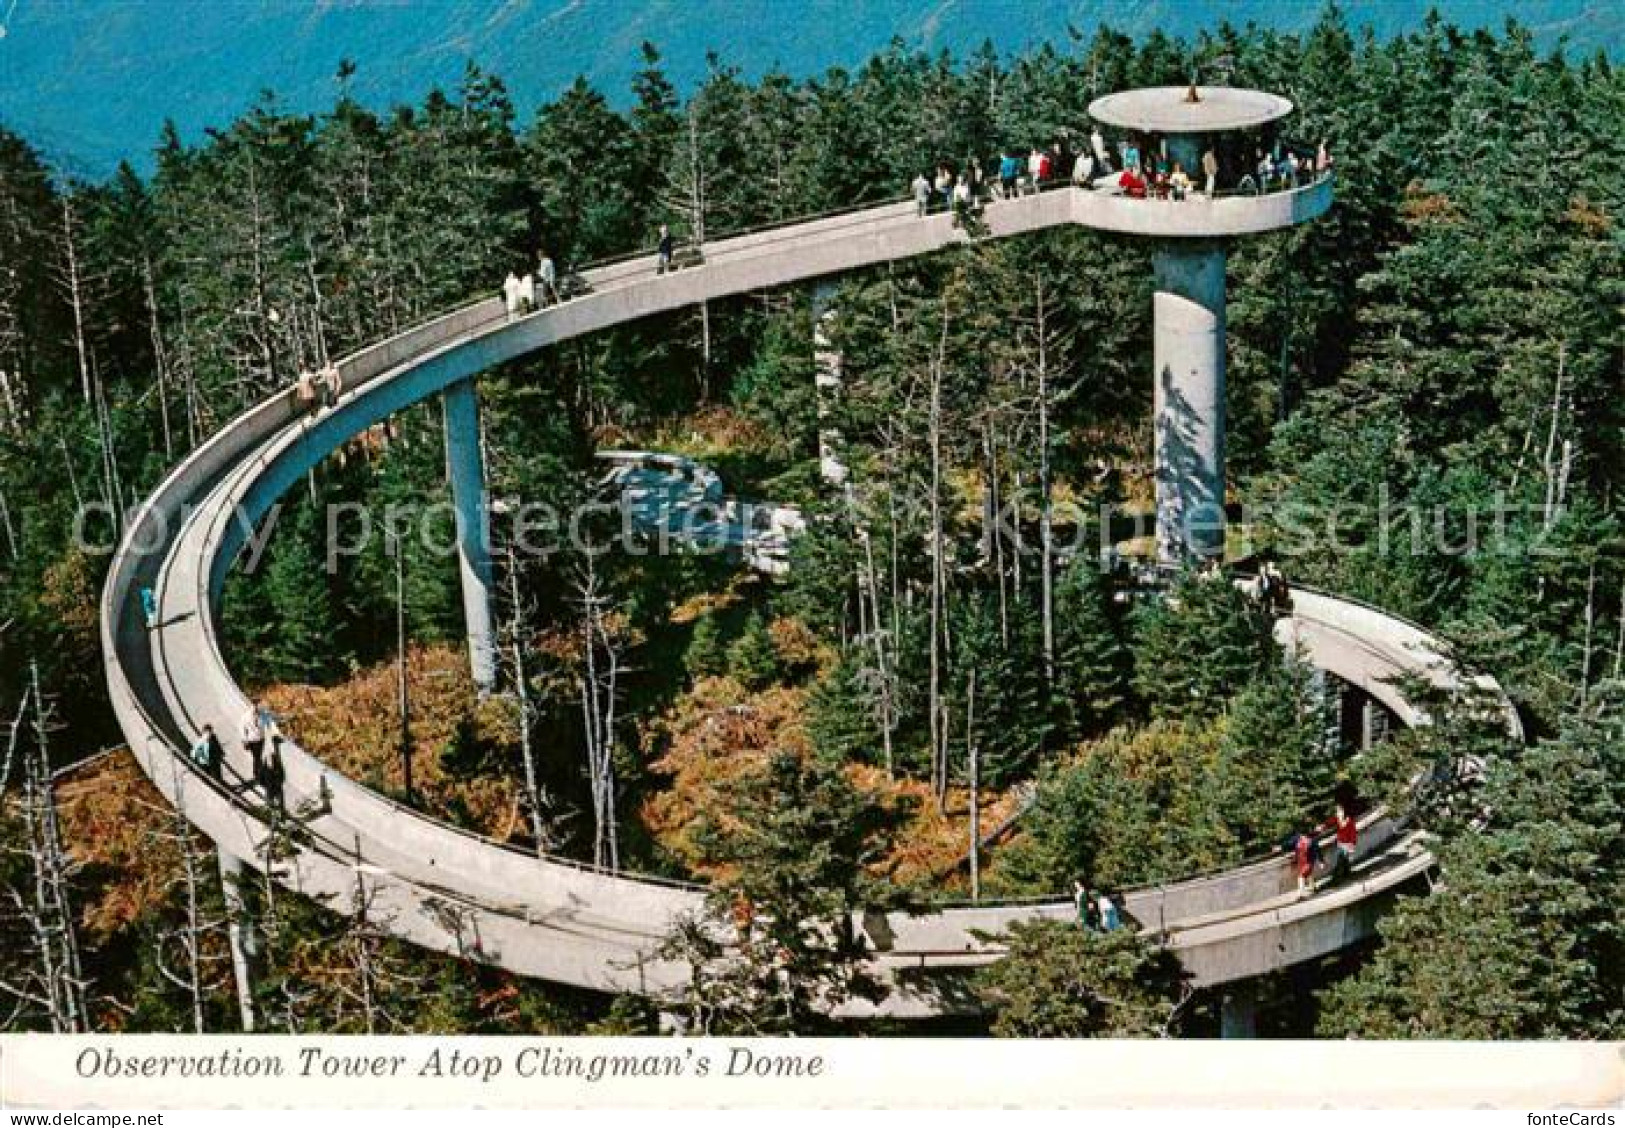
x,y
1305,854
1132,183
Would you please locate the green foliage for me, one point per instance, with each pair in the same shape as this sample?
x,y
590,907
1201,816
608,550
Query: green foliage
x,y
1062,981
1135,807
1092,660
1523,940
797,836
706,656
753,659
1277,757
843,717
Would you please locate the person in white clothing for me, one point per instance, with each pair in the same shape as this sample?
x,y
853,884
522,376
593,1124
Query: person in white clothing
x,y
510,293
304,390
253,734
1098,144
547,277
1083,171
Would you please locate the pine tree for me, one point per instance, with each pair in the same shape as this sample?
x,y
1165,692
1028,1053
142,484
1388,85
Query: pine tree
x,y
798,836
1275,771
753,659
705,656
1523,938
1059,980
1092,661
1199,643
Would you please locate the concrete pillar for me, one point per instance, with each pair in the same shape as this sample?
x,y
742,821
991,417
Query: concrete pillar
x,y
1238,1011
466,469
240,932
828,377
1189,399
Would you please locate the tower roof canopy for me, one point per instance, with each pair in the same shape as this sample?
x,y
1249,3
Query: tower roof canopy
x,y
1174,109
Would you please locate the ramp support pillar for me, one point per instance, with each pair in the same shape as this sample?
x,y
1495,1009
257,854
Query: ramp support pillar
x,y
1188,355
465,467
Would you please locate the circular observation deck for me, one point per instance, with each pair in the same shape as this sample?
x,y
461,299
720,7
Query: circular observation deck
x,y
1180,129
1229,214
1182,110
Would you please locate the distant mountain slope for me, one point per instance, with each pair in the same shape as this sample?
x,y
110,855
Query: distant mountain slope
x,y
90,81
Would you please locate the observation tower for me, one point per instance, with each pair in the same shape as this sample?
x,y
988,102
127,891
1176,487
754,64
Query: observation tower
x,y
1185,126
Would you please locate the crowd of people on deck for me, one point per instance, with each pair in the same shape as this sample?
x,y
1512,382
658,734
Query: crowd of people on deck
x,y
1137,167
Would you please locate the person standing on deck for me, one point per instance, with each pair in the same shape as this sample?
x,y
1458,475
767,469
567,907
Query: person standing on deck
x,y
547,277
664,250
1083,171
206,752
1348,839
1102,157
253,734
304,390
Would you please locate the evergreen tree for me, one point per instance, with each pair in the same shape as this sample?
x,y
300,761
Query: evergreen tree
x,y
1276,767
1523,939
706,656
1197,644
1059,980
1092,661
753,659
798,836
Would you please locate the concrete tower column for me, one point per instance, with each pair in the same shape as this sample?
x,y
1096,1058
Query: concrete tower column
x,y
828,376
466,469
1189,359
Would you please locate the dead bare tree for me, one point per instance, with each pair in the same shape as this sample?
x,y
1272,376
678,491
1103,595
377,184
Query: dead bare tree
x,y
200,974
598,683
539,802
12,740
1556,466
973,772
374,977
54,986
939,566
1046,533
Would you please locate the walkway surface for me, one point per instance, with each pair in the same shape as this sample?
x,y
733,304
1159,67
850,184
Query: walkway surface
x,y
454,891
